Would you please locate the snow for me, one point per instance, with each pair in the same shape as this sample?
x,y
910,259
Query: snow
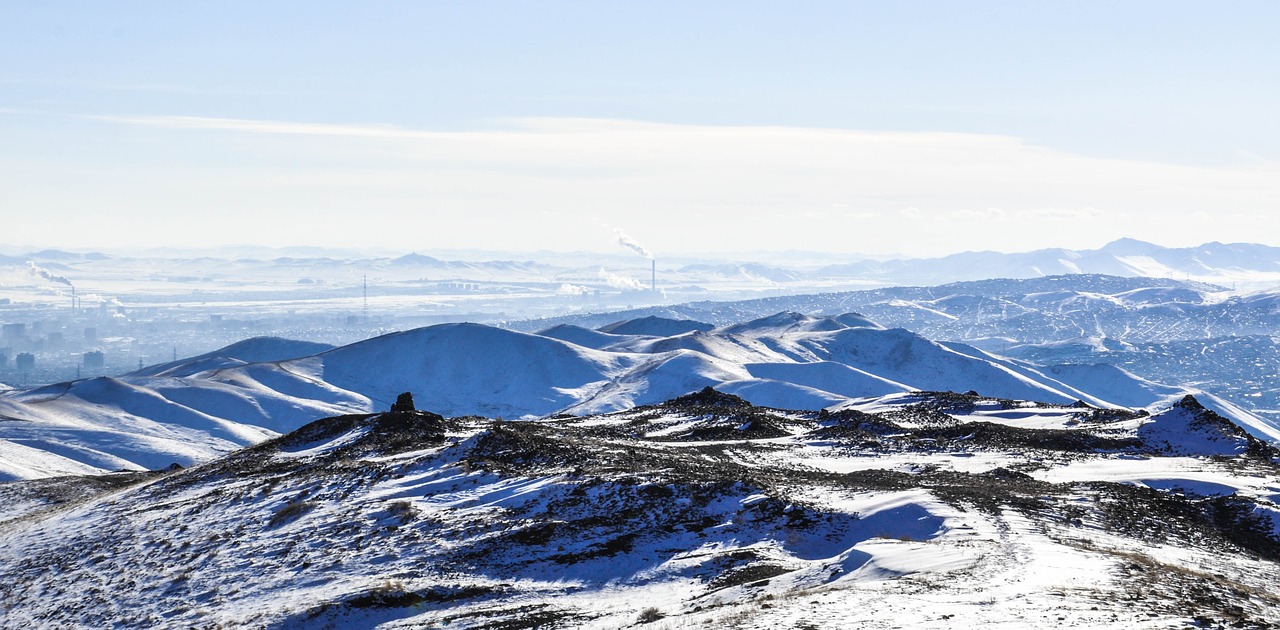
x,y
461,369
18,461
194,410
903,357
780,394
1146,266
253,350
1180,431
205,547
729,347
784,322
322,446
1112,384
1255,425
658,378
654,326
584,337
835,378
921,309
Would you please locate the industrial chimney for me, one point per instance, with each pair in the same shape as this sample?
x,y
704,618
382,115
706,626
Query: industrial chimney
x,y
653,275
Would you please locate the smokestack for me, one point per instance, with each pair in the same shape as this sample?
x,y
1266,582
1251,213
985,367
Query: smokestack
x,y
653,275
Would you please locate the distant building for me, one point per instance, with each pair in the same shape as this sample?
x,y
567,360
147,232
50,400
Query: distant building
x,y
13,331
94,360
91,334
26,362
4,360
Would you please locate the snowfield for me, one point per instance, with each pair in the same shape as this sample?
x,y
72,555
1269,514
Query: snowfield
x,y
920,509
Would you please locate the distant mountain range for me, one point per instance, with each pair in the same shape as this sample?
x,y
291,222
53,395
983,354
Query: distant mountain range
x,y
1163,330
1249,263
1125,257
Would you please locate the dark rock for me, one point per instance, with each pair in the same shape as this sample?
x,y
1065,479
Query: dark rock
x,y
708,397
404,402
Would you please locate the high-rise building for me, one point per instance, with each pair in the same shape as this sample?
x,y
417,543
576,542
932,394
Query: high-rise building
x,y
13,331
94,360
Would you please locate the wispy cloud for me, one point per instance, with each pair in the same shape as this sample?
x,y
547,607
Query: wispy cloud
x,y
269,126
1062,214
696,186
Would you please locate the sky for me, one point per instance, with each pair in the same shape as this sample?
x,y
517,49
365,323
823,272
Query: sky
x,y
875,128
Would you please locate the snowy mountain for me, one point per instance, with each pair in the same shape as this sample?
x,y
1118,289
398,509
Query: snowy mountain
x,y
255,350
922,509
1036,310
1125,257
190,411
654,326
1203,336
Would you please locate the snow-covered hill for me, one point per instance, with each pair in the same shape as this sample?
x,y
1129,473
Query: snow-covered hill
x,y
470,369
1034,310
254,350
189,411
1210,337
934,510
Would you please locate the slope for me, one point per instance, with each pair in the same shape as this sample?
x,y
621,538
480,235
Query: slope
x,y
938,510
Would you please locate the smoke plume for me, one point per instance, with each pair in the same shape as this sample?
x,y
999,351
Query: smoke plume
x,y
626,241
619,282
573,289
38,271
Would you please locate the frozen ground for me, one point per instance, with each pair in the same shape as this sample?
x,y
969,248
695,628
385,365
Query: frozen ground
x,y
923,510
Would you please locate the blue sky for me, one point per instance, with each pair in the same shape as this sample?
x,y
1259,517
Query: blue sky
x,y
875,127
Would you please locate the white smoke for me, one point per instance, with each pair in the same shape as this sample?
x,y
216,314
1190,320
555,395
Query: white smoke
x,y
755,277
573,289
626,241
41,272
620,282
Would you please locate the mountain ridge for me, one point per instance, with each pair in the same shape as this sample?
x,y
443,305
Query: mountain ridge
x,y
190,412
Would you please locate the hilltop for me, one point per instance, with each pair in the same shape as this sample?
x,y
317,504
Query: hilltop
x,y
928,509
